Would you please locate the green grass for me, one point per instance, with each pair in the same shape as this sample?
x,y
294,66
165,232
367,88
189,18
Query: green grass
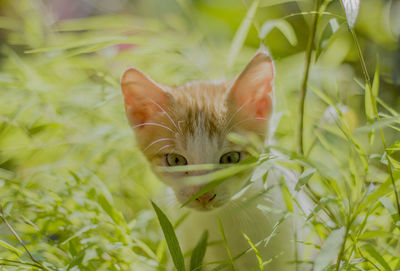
x,y
74,189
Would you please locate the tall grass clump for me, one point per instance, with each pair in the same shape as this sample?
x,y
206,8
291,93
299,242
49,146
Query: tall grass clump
x,y
75,191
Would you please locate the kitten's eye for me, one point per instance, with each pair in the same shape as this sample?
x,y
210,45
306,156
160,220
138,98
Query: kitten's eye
x,y
174,159
232,157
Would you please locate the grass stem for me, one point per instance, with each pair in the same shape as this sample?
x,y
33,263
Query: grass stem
x,y
303,89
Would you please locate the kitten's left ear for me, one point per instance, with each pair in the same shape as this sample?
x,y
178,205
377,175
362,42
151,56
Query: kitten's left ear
x,y
253,88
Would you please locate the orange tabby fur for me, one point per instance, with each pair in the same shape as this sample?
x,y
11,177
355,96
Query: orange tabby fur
x,y
193,120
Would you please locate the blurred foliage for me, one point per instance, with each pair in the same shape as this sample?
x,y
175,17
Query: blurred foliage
x,y
76,189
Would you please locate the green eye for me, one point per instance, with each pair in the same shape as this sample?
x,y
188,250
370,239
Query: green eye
x,y
232,157
174,159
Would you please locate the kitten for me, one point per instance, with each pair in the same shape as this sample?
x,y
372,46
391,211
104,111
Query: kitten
x,y
188,125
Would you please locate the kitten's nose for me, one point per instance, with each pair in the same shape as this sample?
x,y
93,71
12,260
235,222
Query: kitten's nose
x,y
206,198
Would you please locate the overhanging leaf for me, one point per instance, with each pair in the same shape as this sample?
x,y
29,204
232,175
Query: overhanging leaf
x,y
330,249
215,179
170,237
283,26
378,124
266,3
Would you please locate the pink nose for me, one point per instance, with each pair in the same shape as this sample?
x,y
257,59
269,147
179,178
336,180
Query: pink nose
x,y
206,198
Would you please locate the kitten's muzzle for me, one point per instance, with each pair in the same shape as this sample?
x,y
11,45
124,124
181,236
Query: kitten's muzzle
x,y
206,198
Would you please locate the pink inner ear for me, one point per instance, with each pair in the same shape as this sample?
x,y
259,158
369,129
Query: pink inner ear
x,y
263,107
253,89
143,97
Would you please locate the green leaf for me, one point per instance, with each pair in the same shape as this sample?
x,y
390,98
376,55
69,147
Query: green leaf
x,y
305,176
283,26
222,231
388,204
375,84
198,253
351,8
377,256
330,249
241,34
266,3
383,189
170,237
10,247
287,197
321,95
369,112
378,124
394,148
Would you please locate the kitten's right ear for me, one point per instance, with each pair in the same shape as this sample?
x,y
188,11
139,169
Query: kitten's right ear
x,y
144,98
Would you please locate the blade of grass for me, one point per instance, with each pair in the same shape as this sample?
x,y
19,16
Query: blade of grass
x,y
199,251
304,83
241,33
221,228
258,255
170,237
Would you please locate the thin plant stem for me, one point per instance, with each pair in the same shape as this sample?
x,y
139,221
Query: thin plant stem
x,y
303,89
303,92
342,249
3,218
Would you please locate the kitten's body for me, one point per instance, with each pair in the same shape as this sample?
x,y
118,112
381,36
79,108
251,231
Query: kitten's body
x,y
189,124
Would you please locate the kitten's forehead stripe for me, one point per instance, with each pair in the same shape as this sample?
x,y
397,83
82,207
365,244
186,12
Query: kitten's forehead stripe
x,y
201,106
201,119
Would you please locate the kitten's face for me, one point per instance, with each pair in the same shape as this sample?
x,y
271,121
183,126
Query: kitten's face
x,y
188,125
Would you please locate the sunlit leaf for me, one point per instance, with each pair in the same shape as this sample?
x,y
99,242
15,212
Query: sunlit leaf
x,y
377,256
258,255
351,8
228,251
305,177
330,249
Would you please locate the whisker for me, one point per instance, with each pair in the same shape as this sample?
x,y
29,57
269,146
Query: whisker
x,y
237,111
168,115
154,124
156,141
163,147
179,124
240,122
